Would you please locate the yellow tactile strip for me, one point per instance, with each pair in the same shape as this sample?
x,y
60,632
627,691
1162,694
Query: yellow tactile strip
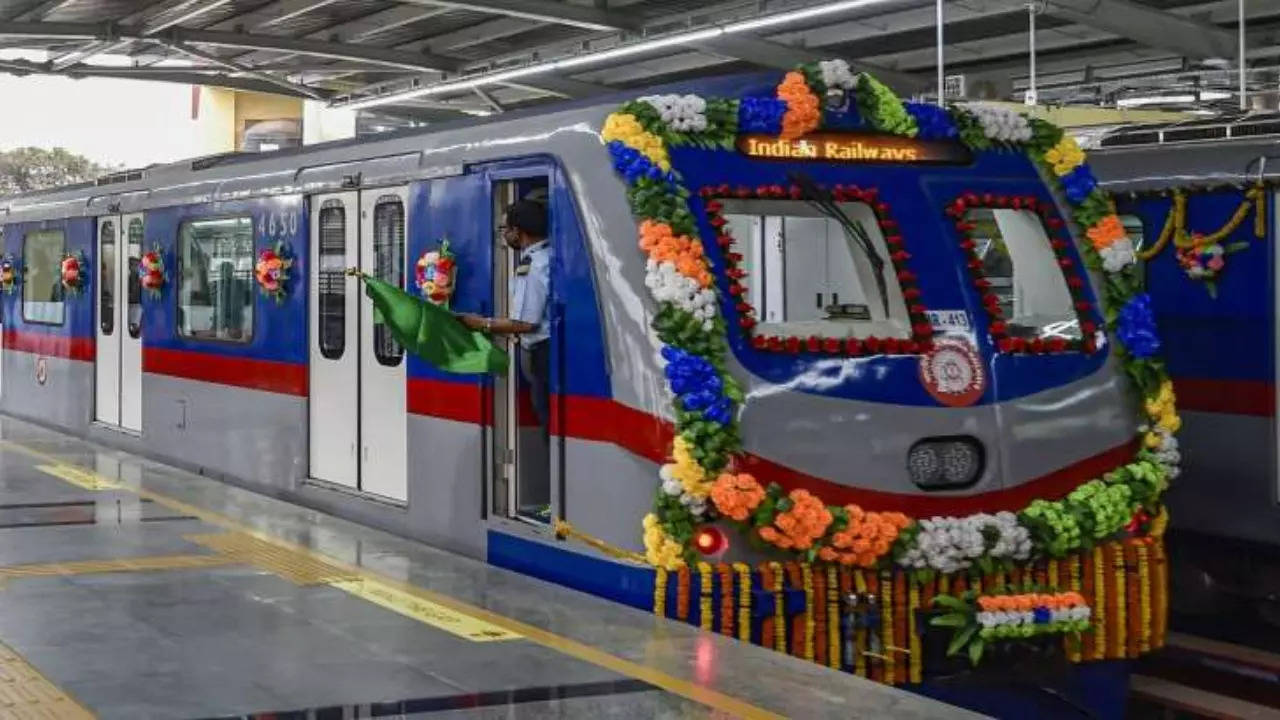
x,y
138,564
79,477
692,690
25,694
296,567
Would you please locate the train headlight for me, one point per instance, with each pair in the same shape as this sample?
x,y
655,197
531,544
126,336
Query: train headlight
x,y
945,463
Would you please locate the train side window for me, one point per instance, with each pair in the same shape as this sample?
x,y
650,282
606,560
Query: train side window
x,y
1134,229
816,274
42,253
134,282
332,290
1018,262
215,279
107,278
388,265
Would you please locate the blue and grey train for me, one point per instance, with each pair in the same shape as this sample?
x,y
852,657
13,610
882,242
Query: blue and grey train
x,y
171,351
1212,182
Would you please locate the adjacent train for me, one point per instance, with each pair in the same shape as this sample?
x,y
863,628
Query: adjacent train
x,y
868,313
1194,191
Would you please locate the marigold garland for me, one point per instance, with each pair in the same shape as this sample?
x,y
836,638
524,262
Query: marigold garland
x,y
886,629
682,593
779,608
1118,609
915,655
660,592
803,115
806,577
705,618
726,599
1144,601
819,604
860,659
744,611
794,575
833,618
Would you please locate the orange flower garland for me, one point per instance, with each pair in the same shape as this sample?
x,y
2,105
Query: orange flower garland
x,y
726,599
663,245
797,528
1106,232
736,496
868,537
802,114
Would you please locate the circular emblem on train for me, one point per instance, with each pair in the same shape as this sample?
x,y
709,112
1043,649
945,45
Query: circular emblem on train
x,y
952,372
42,370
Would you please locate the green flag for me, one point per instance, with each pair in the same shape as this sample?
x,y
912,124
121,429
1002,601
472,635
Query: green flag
x,y
433,333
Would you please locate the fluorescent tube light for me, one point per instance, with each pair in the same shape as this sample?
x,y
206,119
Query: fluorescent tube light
x,y
642,46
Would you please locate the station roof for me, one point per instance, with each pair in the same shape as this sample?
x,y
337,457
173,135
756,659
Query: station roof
x,y
433,59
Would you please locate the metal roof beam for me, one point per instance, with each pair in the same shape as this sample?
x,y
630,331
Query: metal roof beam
x,y
1147,25
757,50
23,67
562,86
546,11
41,10
361,29
300,46
246,72
266,15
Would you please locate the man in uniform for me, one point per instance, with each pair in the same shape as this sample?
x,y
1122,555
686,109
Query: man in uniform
x,y
526,232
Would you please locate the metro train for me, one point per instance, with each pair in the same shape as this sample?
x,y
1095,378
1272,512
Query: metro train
x,y
1215,180
906,324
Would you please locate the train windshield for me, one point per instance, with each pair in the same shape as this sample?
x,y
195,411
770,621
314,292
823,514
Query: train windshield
x,y
1019,264
823,270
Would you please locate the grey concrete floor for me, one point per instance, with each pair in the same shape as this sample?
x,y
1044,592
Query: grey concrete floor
x,y
238,639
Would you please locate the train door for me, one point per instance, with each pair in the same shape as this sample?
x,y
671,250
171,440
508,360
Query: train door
x,y
359,430
118,351
524,462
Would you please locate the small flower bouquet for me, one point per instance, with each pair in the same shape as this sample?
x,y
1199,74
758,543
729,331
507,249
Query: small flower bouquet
x,y
435,272
272,271
72,271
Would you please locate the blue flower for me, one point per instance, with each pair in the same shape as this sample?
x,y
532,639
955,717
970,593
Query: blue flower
x,y
1136,327
1042,615
633,165
934,122
1078,184
761,115
697,384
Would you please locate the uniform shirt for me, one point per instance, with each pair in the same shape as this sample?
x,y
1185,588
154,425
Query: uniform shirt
x,y
530,287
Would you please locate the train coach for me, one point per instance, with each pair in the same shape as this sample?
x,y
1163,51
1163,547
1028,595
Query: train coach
x,y
1201,196
824,364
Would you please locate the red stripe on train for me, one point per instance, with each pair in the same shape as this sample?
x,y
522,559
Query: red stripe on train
x,y
270,375
1236,397
37,343
603,420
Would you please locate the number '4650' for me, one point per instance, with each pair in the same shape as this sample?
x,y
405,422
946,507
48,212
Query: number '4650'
x,y
275,224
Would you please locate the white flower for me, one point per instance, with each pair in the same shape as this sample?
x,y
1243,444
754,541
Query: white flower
x,y
1099,339
1118,255
999,123
836,74
682,113
987,619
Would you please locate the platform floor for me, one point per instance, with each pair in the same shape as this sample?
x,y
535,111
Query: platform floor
x,y
129,589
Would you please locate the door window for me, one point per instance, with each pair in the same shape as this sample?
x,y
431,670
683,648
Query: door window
x,y
132,281
42,253
215,279
388,266
107,278
332,281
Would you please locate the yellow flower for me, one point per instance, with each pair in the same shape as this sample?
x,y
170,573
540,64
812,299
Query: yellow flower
x,y
659,549
1169,421
1065,156
686,469
626,129
1152,440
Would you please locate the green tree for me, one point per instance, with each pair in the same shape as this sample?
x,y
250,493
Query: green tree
x,y
31,168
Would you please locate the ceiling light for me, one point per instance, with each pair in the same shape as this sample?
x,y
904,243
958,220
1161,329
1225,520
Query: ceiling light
x,y
643,46
1154,100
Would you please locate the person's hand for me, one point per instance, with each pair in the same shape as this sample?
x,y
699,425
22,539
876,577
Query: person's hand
x,y
471,320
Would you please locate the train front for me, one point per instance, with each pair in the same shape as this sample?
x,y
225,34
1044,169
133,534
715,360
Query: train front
x,y
891,357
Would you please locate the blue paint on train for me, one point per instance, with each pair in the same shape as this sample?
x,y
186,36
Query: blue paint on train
x,y
1228,338
916,196
279,329
628,584
78,318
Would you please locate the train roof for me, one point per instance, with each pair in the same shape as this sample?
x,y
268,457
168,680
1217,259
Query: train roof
x,y
267,165
1148,157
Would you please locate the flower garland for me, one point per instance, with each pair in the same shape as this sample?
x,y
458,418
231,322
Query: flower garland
x,y
151,272
434,273
272,271
700,483
72,272
8,274
978,620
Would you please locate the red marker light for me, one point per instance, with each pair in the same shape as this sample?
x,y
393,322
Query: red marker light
x,y
710,541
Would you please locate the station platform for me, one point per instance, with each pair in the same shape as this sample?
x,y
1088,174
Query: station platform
x,y
130,589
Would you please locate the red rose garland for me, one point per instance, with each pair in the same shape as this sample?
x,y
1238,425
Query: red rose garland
x,y
921,331
1057,231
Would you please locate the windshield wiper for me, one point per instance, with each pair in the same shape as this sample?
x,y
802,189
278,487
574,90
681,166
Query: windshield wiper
x,y
854,232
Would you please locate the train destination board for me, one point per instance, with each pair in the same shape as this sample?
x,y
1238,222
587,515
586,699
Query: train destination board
x,y
854,148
